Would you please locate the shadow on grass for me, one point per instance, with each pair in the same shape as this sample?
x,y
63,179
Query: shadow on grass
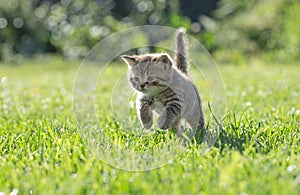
x,y
236,133
239,133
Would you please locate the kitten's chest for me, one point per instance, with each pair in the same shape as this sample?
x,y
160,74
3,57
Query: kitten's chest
x,y
159,101
156,99
158,104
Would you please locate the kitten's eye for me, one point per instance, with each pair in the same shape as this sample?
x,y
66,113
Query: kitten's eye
x,y
150,78
136,79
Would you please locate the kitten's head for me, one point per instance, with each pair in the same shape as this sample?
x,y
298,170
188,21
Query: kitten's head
x,y
148,73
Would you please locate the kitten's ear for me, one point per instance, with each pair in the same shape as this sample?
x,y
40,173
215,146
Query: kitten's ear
x,y
165,58
130,60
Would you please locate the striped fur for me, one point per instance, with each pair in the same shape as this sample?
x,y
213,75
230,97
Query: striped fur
x,y
163,86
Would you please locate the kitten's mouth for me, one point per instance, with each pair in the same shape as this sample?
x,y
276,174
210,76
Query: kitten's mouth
x,y
143,89
150,87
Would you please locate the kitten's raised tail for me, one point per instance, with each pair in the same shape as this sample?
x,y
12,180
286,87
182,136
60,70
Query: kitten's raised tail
x,y
181,58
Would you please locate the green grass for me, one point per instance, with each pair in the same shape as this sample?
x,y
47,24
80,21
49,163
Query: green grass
x,y
43,152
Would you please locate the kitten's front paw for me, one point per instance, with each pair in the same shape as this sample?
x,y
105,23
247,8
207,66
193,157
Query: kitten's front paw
x,y
147,125
146,120
163,122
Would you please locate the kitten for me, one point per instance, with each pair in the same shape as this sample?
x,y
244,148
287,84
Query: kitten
x,y
163,85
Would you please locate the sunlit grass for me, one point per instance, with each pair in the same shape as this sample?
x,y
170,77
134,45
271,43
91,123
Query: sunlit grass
x,y
43,150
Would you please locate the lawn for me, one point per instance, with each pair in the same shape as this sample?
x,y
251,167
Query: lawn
x,y
42,150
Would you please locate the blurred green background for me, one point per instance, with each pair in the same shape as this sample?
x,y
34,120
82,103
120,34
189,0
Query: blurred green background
x,y
231,30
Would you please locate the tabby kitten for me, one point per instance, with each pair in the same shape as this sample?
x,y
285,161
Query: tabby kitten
x,y
163,85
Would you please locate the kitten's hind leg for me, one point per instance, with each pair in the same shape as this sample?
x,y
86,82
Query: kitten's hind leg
x,y
145,113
